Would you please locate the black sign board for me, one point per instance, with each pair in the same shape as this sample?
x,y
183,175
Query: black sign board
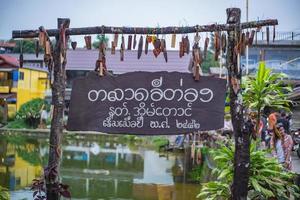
x,y
147,103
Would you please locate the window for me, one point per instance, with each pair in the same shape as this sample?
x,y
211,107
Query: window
x,y
21,76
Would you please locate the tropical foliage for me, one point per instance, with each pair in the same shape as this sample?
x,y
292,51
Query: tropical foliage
x,y
265,89
4,194
267,179
30,112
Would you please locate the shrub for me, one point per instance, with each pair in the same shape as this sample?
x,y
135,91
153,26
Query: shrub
x,y
267,178
30,112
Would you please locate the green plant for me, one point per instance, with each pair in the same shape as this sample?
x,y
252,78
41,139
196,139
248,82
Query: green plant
x,y
267,177
265,89
209,62
160,141
30,112
17,124
100,38
4,194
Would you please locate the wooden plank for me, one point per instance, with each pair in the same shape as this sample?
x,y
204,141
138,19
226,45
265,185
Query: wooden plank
x,y
146,30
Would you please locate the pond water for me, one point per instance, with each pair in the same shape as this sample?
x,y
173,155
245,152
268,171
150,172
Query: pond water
x,y
99,167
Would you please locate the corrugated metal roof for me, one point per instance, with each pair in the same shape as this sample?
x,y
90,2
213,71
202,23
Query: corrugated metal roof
x,y
80,59
8,61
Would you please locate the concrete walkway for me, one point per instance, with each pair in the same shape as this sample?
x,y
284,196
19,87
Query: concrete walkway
x,y
296,163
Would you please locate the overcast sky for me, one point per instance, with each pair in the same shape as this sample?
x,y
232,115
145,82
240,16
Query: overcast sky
x,y
30,14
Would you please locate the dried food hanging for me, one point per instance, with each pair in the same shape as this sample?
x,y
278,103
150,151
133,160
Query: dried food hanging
x,y
206,43
251,38
274,33
197,58
224,42
88,42
242,44
173,40
157,45
74,45
134,41
129,42
42,37
268,34
122,49
247,37
116,38
186,45
140,47
148,38
21,59
113,48
217,45
37,48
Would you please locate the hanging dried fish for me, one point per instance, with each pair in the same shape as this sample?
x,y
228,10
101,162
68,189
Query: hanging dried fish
x,y
217,45
100,67
42,38
206,46
173,40
63,40
165,50
88,42
73,45
37,48
242,44
157,50
251,38
197,60
247,38
224,42
140,47
147,44
21,60
113,48
274,33
129,42
187,45
268,34
181,49
134,41
122,49
116,38
48,48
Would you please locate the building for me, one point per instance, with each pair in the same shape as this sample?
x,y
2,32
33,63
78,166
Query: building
x,y
19,85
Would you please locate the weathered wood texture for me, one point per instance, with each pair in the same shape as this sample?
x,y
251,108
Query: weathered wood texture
x,y
239,187
58,100
146,30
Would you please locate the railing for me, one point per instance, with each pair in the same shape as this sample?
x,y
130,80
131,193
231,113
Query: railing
x,y
279,35
6,86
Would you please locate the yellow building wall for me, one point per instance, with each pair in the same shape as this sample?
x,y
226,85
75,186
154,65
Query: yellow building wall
x,y
33,86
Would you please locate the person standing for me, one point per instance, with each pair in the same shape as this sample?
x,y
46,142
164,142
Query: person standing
x,y
282,144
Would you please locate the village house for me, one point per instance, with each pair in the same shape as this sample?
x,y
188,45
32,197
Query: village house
x,y
19,85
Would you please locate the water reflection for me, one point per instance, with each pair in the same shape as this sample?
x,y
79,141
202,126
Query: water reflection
x,y
19,162
99,168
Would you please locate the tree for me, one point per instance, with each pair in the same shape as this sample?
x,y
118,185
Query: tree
x,y
209,62
265,89
27,46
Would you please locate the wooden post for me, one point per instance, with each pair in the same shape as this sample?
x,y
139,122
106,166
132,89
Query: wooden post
x,y
58,101
239,187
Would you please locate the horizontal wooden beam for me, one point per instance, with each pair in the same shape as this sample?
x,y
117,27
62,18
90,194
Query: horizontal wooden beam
x,y
146,30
